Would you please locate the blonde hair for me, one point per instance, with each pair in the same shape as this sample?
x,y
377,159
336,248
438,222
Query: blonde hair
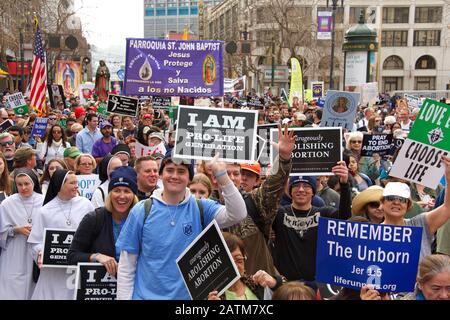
x,y
109,206
78,160
432,265
204,180
294,290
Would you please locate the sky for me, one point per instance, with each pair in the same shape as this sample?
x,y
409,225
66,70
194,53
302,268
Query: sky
x,y
106,24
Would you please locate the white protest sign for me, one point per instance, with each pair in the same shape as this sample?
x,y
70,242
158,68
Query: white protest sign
x,y
87,183
143,151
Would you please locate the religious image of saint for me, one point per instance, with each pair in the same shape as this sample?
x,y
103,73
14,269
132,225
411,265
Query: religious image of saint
x,y
68,77
209,70
102,77
340,105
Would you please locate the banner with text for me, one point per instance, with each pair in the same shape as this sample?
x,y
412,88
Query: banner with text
x,y
207,265
17,102
56,246
203,132
93,282
122,105
39,127
376,143
87,183
317,89
174,68
340,109
419,159
316,151
234,85
367,253
143,151
5,125
324,25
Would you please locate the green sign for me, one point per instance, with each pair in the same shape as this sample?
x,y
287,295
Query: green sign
x,y
22,110
432,125
101,109
62,123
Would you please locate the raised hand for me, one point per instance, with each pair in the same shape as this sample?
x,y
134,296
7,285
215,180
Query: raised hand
x,y
286,142
341,171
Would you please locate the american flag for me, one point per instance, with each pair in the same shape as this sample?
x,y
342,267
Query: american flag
x,y
39,72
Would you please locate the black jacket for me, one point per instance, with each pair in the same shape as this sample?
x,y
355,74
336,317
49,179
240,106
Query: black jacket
x,y
94,235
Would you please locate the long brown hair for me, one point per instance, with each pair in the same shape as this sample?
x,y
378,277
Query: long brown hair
x,y
5,180
46,175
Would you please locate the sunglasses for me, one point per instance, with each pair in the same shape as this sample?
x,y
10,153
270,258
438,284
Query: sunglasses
x,y
7,143
51,118
393,198
374,204
358,141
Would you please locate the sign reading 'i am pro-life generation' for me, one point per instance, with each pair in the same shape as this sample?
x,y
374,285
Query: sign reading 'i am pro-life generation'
x,y
367,253
173,68
419,159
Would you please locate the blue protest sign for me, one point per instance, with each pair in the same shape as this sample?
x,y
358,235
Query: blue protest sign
x,y
39,127
340,109
352,254
320,102
173,68
121,74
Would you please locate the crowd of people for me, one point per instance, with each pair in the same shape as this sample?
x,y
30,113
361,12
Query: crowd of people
x,y
133,222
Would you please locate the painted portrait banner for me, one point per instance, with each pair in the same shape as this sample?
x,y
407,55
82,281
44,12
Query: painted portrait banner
x,y
317,88
173,68
340,109
367,253
68,74
203,132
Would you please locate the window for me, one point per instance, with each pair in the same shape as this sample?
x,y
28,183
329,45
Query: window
x,y
395,15
393,63
149,12
183,11
171,11
392,84
426,62
425,83
194,10
427,38
428,15
160,11
264,15
355,13
397,38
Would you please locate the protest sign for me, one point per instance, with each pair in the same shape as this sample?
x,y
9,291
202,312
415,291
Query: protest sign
x,y
317,89
369,93
87,183
93,282
86,92
367,253
316,151
207,265
39,127
17,102
173,68
56,245
376,143
203,132
158,101
122,105
396,144
5,125
413,101
143,151
340,109
324,25
234,85
255,102
56,95
263,143
419,159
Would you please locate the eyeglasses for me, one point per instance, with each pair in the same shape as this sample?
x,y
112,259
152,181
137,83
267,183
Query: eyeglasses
x,y
86,164
239,259
5,118
7,143
51,118
356,141
398,198
374,204
11,115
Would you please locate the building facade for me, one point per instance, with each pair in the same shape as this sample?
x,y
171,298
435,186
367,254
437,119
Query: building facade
x,y
164,16
413,36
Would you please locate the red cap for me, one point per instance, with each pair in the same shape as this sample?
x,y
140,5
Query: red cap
x,y
254,167
147,116
93,108
79,111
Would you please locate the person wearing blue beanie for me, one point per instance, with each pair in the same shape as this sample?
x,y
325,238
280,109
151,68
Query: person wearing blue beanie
x,y
296,225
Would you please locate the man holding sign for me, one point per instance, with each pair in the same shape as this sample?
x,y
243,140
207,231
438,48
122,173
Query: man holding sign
x,y
153,237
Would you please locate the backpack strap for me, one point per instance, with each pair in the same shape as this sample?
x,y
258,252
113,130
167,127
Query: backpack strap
x,y
147,207
103,194
202,216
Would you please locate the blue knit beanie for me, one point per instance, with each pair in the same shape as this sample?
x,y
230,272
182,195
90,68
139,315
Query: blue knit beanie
x,y
311,180
123,177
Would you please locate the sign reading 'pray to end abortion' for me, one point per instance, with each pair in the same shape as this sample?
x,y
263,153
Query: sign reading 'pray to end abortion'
x,y
173,68
203,132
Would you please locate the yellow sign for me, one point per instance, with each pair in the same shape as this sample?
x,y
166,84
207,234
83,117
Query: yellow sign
x,y
296,90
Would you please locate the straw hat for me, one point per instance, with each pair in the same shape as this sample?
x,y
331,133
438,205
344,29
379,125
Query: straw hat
x,y
371,194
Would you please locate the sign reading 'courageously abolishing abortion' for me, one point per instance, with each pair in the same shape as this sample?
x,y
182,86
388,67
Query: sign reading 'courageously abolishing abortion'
x,y
385,256
203,132
174,68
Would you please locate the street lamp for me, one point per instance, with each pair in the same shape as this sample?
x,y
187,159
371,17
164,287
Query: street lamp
x,y
334,4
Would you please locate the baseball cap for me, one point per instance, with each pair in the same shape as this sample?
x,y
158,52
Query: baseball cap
x,y
158,135
105,123
399,189
147,116
253,167
121,148
304,179
286,120
72,152
79,111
